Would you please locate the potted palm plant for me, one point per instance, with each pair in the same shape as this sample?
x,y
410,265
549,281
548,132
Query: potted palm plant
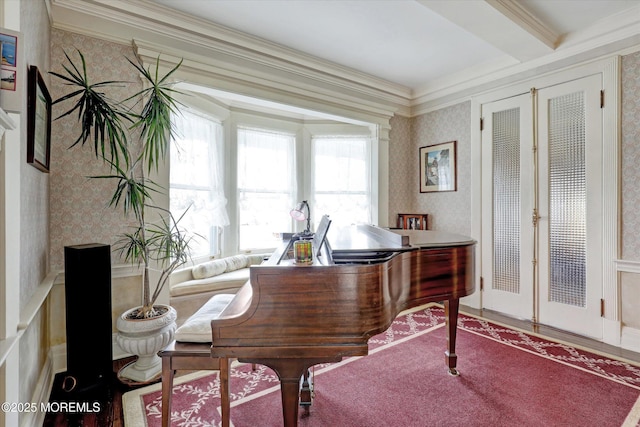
x,y
132,137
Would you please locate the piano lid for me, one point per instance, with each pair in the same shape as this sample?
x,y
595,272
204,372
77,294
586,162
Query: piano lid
x,y
369,243
434,239
365,238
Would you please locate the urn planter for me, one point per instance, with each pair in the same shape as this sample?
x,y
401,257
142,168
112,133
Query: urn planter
x,y
144,338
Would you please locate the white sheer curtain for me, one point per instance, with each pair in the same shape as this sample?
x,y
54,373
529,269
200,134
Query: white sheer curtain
x,y
266,186
340,178
196,179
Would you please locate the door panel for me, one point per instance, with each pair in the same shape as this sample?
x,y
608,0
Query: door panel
x,y
570,153
507,179
542,206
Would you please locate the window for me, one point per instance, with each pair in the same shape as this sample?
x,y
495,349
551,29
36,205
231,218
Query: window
x,y
341,178
196,181
271,165
266,186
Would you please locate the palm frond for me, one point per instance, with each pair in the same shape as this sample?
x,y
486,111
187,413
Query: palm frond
x,y
154,121
132,246
98,115
169,245
109,125
131,190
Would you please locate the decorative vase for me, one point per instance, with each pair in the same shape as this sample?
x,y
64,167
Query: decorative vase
x,y
144,338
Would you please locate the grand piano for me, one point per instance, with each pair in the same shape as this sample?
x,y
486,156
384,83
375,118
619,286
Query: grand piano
x,y
290,317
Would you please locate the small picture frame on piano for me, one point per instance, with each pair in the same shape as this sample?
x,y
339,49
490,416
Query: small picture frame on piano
x,y
413,221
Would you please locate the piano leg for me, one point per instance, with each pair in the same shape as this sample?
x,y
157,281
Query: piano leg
x,y
451,317
225,394
290,370
168,374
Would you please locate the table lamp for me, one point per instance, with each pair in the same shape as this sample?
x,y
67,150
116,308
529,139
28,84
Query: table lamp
x,y
298,213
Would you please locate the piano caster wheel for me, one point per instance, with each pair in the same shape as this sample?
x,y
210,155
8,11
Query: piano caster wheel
x,y
454,372
305,411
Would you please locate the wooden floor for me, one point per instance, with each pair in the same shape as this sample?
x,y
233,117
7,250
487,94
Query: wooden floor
x,y
111,414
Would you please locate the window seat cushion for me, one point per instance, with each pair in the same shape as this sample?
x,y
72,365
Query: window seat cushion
x,y
232,279
187,293
225,265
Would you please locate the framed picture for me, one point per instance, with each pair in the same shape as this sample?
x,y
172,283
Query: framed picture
x,y
12,70
413,221
438,167
38,121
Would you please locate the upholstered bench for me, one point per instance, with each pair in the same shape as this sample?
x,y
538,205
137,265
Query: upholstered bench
x,y
191,350
190,286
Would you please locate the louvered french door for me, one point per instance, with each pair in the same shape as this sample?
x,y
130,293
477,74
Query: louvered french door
x,y
542,206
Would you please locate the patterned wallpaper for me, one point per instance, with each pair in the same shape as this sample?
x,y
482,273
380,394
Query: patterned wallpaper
x,y
451,211
79,211
400,156
34,185
34,211
631,157
79,206
448,211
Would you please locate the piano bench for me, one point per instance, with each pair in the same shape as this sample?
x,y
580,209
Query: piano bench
x,y
197,328
196,355
192,356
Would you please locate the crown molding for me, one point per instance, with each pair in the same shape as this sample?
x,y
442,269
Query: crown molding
x,y
141,19
613,36
250,79
510,29
523,18
610,29
237,57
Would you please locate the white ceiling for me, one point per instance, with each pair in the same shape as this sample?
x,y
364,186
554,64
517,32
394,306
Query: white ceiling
x,y
405,56
420,43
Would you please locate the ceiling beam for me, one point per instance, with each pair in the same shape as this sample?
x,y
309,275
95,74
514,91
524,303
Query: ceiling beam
x,y
506,25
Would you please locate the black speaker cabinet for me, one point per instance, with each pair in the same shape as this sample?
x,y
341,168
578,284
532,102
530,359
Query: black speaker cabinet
x,y
87,272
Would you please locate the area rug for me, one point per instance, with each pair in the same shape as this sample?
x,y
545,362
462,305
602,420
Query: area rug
x,y
507,378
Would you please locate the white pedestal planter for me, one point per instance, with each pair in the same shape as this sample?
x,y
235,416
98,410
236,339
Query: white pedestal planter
x,y
144,338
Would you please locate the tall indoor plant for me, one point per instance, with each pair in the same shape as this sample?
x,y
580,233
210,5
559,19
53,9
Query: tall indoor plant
x,y
132,137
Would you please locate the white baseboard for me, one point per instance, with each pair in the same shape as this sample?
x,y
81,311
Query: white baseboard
x,y
611,332
628,266
40,395
630,339
59,354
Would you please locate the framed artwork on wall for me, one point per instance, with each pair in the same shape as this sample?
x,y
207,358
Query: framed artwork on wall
x,y
11,71
438,167
38,121
413,221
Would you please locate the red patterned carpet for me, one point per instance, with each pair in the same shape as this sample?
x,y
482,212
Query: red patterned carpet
x,y
508,378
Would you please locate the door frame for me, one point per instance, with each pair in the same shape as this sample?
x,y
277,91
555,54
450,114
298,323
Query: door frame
x,y
609,69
